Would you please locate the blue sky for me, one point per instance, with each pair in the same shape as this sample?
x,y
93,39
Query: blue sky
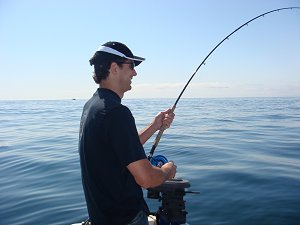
x,y
46,45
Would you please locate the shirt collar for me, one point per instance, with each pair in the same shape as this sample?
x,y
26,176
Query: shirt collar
x,y
110,93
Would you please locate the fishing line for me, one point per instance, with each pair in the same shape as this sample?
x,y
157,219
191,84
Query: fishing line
x,y
162,129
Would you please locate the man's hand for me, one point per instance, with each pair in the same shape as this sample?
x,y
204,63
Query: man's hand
x,y
163,119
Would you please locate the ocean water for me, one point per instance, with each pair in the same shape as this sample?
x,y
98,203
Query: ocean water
x,y
241,154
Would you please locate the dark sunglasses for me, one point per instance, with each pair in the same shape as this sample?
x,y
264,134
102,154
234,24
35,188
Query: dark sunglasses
x,y
131,64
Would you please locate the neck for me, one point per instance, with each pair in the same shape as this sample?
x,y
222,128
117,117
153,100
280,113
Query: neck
x,y
112,88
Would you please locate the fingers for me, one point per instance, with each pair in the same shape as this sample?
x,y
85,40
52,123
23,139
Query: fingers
x,y
173,170
169,111
168,118
163,119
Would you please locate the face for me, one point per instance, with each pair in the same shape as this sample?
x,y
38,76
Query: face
x,y
127,72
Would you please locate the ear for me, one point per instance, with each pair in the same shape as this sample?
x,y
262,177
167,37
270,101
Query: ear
x,y
113,68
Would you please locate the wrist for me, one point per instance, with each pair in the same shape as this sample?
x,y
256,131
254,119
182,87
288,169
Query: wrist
x,y
154,127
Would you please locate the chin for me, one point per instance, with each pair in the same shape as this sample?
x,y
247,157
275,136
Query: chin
x,y
128,89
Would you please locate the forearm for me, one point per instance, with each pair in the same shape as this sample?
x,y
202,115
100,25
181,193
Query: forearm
x,y
162,118
146,133
148,176
160,175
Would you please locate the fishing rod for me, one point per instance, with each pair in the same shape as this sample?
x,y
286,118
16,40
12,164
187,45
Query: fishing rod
x,y
163,127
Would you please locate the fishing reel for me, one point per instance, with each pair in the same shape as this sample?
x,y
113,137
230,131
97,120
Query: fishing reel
x,y
158,160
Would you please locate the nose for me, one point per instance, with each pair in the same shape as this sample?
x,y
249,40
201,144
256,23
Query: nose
x,y
134,72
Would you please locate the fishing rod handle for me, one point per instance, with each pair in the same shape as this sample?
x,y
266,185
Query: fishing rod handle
x,y
159,135
157,139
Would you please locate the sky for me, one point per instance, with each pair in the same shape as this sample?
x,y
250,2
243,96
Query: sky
x,y
45,47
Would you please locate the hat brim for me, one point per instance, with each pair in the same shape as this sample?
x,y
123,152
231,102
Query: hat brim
x,y
137,60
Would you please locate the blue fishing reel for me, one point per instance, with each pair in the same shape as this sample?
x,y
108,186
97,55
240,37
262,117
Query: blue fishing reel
x,y
158,160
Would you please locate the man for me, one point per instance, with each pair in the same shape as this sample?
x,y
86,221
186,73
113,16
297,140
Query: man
x,y
114,166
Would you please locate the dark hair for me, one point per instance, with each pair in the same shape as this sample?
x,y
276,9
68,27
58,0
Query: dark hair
x,y
101,62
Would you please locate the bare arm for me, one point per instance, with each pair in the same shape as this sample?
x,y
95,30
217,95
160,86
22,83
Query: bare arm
x,y
143,172
146,133
162,118
148,176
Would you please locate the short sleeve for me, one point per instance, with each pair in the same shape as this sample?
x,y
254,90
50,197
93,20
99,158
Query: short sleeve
x,y
124,136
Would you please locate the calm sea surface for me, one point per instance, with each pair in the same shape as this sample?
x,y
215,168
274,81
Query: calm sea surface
x,y
242,154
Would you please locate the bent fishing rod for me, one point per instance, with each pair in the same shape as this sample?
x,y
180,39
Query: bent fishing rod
x,y
163,127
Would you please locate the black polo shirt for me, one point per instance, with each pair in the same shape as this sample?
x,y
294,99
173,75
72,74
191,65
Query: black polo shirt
x,y
108,142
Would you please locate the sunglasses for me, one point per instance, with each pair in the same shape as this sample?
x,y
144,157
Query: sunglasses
x,y
131,64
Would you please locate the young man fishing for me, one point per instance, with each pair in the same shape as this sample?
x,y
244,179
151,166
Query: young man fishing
x,y
113,162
